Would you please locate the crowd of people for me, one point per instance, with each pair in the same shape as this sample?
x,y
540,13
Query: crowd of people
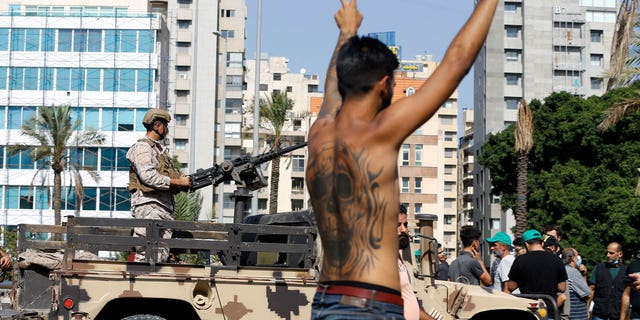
x,y
537,264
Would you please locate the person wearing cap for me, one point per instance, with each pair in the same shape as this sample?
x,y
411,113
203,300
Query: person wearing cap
x,y
537,271
469,267
153,180
607,284
500,245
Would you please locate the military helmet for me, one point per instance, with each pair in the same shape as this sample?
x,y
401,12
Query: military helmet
x,y
156,114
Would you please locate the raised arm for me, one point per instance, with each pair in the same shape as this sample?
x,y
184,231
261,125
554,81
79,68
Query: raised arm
x,y
412,112
348,20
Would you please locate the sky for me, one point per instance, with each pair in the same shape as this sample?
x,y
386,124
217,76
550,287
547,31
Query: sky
x,y
305,30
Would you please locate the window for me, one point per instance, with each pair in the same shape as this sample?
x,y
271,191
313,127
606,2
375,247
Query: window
x,y
297,185
449,136
601,16
297,163
512,55
296,204
262,204
448,169
596,36
448,219
405,154
289,89
227,13
181,119
512,31
596,60
418,185
513,79
596,83
494,224
418,208
446,120
184,24
448,185
234,83
418,161
234,59
4,39
312,88
89,199
510,7
181,144
448,104
405,185
263,87
449,203
277,76
228,34
511,103
297,124
449,152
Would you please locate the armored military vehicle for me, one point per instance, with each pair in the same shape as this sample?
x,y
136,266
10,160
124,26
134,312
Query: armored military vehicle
x,y
259,267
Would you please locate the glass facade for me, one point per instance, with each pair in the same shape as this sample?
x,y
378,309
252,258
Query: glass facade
x,y
105,69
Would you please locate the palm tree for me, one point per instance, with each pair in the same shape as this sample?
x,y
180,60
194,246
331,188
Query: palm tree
x,y
524,143
274,112
54,132
625,47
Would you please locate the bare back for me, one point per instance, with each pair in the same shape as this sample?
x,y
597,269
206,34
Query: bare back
x,y
352,177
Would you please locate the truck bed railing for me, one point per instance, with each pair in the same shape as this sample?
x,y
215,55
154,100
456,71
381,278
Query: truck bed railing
x,y
235,245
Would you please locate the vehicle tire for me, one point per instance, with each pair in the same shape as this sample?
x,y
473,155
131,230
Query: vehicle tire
x,y
143,317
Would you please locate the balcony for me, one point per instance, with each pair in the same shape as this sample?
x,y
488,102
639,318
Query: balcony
x,y
184,36
183,60
184,14
183,84
182,108
569,66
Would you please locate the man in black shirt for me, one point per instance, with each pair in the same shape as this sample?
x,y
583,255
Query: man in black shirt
x,y
607,284
630,296
537,271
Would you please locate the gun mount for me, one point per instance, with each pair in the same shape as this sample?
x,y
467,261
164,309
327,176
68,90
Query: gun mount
x,y
244,170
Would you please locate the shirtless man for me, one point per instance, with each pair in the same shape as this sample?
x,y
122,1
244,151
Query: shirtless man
x,y
353,151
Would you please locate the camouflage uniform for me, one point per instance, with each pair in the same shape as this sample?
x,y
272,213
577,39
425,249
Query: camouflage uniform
x,y
151,195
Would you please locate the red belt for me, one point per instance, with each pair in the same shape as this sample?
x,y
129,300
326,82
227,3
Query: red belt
x,y
368,294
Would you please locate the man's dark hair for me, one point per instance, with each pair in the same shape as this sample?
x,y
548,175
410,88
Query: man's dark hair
x,y
534,240
361,62
403,209
518,242
553,227
468,234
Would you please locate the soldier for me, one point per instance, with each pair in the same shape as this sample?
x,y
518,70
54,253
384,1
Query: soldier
x,y
352,172
153,180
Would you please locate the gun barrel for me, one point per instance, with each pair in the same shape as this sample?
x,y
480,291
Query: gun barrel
x,y
262,158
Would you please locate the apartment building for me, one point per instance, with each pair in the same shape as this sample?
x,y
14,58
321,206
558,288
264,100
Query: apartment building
x,y
301,88
100,59
465,170
202,42
427,159
534,48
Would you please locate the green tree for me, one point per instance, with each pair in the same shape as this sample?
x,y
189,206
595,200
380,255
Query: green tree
x,y
274,112
53,133
579,177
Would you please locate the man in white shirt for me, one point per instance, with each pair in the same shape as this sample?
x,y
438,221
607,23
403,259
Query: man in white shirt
x,y
500,245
